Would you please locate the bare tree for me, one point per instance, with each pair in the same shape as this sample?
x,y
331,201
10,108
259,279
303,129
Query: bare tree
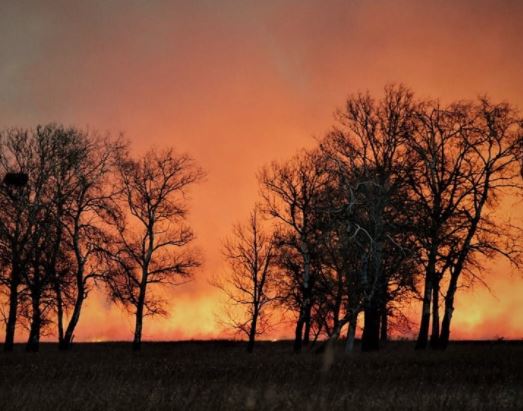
x,y
497,128
58,152
29,153
150,246
89,201
366,153
466,156
16,219
248,285
292,194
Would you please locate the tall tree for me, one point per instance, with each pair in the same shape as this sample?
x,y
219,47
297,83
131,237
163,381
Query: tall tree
x,y
59,152
31,153
250,253
16,219
497,128
367,154
292,194
466,155
89,197
150,245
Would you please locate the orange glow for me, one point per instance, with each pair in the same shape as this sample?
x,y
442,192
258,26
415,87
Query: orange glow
x,y
238,84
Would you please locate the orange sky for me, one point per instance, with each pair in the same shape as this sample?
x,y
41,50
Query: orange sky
x,y
240,83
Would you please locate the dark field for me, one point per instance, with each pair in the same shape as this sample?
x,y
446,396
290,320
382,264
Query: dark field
x,y
220,375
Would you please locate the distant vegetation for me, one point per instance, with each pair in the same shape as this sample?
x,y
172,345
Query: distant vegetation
x,y
396,205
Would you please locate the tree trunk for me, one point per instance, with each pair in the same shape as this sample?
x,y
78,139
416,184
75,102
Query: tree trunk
x,y
33,343
338,302
351,333
304,319
370,340
298,335
449,310
423,334
445,327
75,317
252,332
59,315
137,341
307,321
434,338
384,324
11,319
302,338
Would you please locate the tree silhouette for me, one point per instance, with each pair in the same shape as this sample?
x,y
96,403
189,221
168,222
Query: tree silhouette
x,y
248,285
149,248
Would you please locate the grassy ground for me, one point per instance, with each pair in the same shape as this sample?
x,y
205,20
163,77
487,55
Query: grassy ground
x,y
220,375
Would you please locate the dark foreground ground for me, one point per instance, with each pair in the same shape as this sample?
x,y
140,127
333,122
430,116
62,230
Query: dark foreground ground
x,y
220,375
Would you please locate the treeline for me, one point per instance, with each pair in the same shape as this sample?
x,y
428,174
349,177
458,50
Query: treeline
x,y
396,205
77,212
